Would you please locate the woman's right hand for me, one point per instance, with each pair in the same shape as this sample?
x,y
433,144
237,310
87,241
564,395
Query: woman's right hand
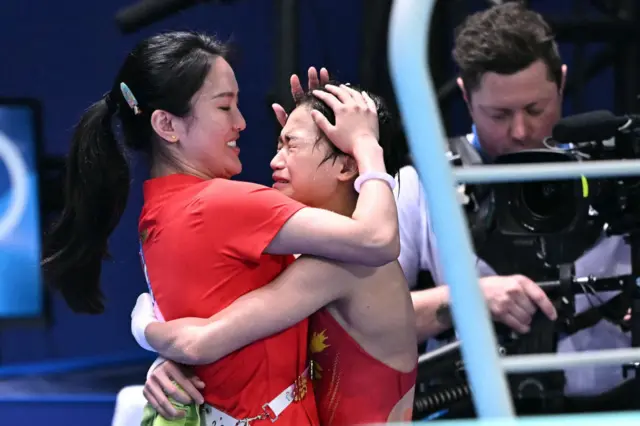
x,y
356,118
315,78
161,384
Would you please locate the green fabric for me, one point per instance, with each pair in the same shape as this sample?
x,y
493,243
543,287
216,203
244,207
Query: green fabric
x,y
191,418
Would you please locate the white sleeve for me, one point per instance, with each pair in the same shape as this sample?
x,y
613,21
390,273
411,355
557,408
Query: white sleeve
x,y
408,194
143,314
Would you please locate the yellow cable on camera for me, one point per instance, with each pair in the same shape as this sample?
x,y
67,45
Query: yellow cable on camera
x,y
585,187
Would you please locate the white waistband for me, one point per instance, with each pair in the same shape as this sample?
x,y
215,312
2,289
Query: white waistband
x,y
271,410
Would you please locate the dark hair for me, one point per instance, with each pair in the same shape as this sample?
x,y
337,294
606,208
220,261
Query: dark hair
x,y
163,72
504,39
389,128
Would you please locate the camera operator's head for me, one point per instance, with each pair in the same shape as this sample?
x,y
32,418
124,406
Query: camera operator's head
x,y
511,76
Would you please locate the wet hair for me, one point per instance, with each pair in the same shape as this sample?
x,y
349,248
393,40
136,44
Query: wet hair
x,y
389,128
504,39
163,72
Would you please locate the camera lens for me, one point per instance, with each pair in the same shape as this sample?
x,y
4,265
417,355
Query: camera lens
x,y
547,206
543,199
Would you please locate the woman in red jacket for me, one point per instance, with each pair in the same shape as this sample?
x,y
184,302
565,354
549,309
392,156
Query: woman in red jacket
x,y
175,99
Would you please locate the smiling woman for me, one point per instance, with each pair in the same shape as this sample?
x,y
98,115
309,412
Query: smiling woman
x,y
176,100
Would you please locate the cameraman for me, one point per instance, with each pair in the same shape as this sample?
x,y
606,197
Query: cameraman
x,y
512,80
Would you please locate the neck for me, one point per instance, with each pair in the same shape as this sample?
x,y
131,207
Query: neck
x,y
343,201
162,165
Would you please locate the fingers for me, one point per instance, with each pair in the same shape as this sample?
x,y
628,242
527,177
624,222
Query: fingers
x,y
199,384
296,86
160,387
522,302
371,104
169,388
508,312
158,399
522,315
171,375
324,76
328,98
514,323
356,96
190,392
539,297
313,78
341,93
281,114
322,123
316,79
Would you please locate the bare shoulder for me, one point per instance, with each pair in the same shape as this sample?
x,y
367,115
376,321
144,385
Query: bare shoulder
x,y
378,314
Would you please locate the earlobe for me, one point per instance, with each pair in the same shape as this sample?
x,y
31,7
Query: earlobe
x,y
564,79
462,90
163,124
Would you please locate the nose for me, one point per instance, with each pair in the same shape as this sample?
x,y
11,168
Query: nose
x,y
239,124
277,162
519,130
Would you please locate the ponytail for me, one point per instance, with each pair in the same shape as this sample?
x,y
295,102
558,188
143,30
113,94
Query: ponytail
x,y
96,192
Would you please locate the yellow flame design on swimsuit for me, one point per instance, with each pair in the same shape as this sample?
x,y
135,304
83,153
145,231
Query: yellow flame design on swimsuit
x,y
317,344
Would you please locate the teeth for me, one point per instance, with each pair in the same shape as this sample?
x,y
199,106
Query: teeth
x,y
231,144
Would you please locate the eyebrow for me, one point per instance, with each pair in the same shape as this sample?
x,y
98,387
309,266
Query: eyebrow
x,y
287,138
225,95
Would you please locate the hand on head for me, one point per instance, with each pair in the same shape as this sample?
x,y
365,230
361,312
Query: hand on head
x,y
356,117
316,79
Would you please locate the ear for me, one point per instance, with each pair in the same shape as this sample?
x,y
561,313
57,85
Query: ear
x,y
166,125
348,169
462,89
564,79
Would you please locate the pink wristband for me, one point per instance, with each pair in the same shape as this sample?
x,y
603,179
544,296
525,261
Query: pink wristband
x,y
374,175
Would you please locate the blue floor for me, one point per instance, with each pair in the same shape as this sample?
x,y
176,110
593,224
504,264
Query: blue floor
x,y
62,399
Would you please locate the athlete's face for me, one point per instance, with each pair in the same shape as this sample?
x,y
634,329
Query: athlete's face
x,y
206,140
515,112
301,169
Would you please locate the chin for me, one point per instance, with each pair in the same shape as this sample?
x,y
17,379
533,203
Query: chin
x,y
234,170
288,192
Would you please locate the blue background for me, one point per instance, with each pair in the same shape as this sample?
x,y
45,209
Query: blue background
x,y
67,53
20,283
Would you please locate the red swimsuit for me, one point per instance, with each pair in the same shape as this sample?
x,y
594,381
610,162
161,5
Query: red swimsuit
x,y
351,386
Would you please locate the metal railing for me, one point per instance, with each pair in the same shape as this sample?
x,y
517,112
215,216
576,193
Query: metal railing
x,y
417,102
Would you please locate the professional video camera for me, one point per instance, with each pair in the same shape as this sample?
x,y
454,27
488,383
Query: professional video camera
x,y
539,229
571,208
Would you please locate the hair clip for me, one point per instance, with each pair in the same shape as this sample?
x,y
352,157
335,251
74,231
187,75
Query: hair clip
x,y
131,100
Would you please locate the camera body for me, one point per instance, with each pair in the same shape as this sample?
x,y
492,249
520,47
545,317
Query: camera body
x,y
550,223
543,223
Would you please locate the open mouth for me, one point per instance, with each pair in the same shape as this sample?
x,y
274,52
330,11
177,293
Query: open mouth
x,y
232,144
277,181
